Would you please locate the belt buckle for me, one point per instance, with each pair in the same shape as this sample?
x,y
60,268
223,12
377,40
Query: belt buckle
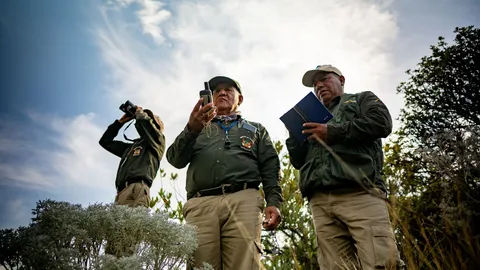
x,y
223,188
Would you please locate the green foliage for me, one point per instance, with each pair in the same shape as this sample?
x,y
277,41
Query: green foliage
x,y
296,242
432,164
165,199
67,236
442,94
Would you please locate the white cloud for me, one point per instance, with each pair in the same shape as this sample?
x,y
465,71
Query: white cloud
x,y
265,45
62,155
19,150
152,16
16,212
55,152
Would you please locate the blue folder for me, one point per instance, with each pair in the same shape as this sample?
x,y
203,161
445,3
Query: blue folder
x,y
308,109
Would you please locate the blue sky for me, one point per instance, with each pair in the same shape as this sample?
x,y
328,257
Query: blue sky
x,y
66,66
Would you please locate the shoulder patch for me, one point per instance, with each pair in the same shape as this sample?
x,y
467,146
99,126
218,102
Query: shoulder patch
x,y
250,127
137,150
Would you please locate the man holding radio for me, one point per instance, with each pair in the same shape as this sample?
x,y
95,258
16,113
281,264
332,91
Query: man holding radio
x,y
140,159
228,157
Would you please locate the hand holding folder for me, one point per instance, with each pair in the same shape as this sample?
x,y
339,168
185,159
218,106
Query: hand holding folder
x,y
308,109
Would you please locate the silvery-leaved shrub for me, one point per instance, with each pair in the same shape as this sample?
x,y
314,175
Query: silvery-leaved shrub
x,y
67,236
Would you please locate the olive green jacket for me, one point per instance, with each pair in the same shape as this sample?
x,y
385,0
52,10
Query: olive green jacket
x,y
353,158
140,159
250,158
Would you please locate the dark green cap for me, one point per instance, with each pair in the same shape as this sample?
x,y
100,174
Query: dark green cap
x,y
215,81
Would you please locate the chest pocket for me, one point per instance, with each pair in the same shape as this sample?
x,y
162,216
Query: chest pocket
x,y
351,111
247,138
347,110
207,137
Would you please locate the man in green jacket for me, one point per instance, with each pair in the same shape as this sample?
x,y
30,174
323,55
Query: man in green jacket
x,y
341,175
140,159
229,158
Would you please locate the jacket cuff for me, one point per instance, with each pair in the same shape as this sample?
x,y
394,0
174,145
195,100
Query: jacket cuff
x,y
275,203
274,200
117,123
140,114
189,134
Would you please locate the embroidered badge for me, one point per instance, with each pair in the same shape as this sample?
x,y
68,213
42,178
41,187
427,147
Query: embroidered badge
x,y
246,142
137,150
350,101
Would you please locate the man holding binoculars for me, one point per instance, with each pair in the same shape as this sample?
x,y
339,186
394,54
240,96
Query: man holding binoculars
x,y
140,159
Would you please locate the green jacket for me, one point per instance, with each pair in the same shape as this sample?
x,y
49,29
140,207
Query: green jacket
x,y
140,159
251,158
354,136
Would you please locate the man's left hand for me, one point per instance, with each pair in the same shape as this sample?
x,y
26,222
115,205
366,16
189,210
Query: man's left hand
x,y
272,218
315,128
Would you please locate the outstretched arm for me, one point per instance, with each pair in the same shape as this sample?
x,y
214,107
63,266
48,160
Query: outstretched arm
x,y
108,143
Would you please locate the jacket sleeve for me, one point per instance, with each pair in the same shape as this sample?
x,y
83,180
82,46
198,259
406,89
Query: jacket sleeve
x,y
149,132
269,165
297,151
115,147
374,122
180,152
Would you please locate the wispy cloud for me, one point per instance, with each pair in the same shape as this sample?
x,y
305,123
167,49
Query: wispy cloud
x,y
266,45
159,54
48,151
16,212
152,15
22,162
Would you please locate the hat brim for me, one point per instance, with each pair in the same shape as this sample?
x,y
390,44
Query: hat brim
x,y
215,81
307,79
156,119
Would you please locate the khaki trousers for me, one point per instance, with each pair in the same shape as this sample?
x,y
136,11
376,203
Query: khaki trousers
x,y
353,229
228,229
135,194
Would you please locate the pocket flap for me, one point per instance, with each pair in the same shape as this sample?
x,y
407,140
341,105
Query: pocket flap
x,y
259,246
382,231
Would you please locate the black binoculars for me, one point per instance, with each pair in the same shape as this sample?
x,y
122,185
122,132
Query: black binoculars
x,y
128,108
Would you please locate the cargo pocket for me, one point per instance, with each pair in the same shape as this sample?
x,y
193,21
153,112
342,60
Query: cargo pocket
x,y
255,257
147,194
185,208
259,247
351,111
384,247
261,203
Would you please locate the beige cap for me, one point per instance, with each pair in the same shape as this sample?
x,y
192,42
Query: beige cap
x,y
307,79
156,118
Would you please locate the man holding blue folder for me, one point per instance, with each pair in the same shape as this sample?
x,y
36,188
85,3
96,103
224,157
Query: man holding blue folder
x,y
340,166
